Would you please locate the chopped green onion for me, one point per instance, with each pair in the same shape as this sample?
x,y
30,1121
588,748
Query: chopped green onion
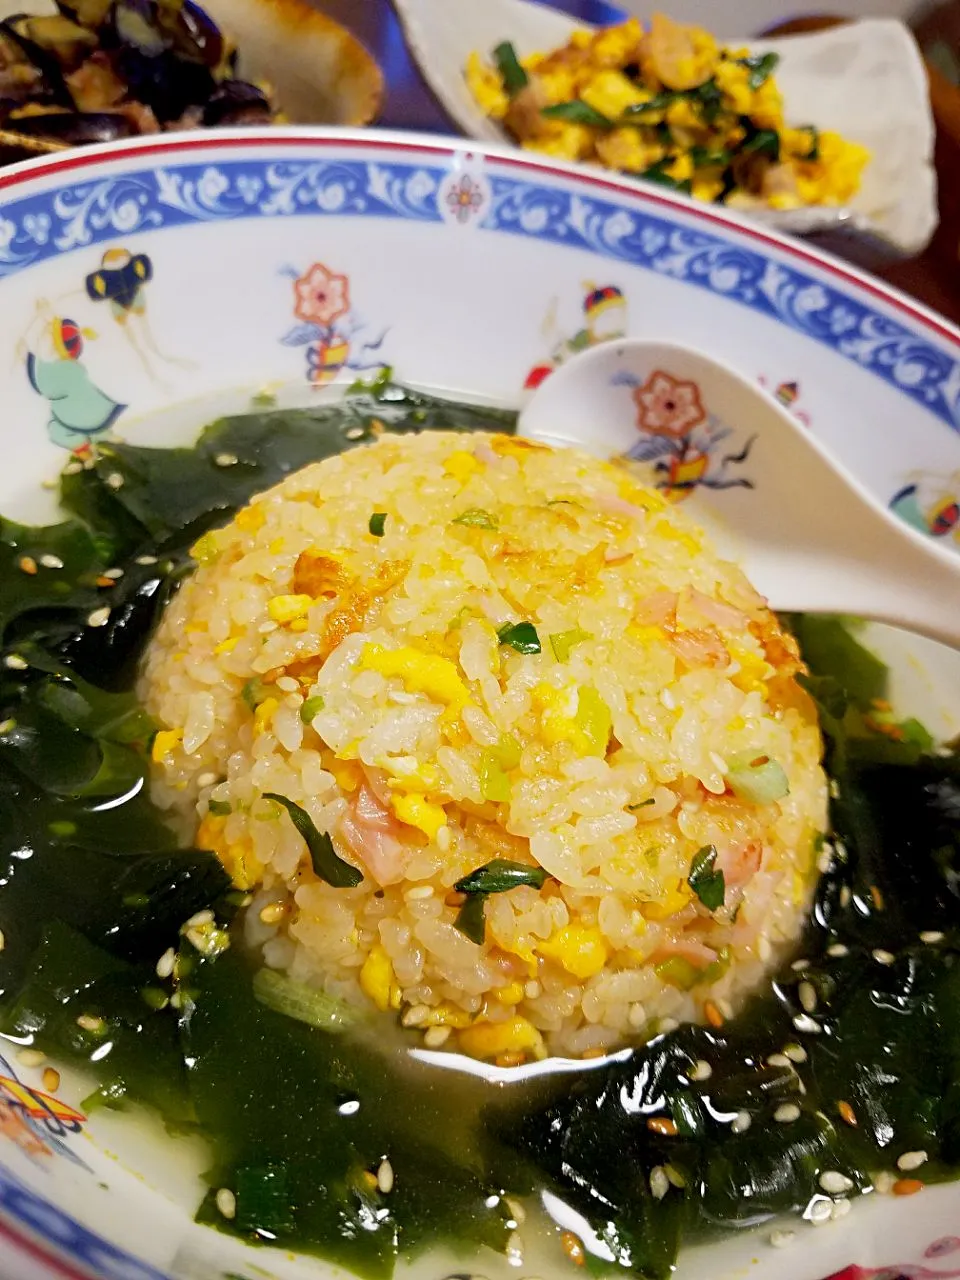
x,y
378,522
312,707
658,102
814,132
563,641
155,998
578,112
706,883
761,67
758,780
326,862
521,636
501,875
677,972
657,173
477,518
303,1003
494,783
764,142
62,830
642,805
594,721
709,158
507,752
220,808
254,692
511,72
472,919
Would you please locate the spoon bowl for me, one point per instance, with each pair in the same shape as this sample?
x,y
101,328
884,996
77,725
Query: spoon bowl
x,y
807,534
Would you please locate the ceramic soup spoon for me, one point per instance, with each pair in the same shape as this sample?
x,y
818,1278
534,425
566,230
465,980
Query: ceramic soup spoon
x,y
808,535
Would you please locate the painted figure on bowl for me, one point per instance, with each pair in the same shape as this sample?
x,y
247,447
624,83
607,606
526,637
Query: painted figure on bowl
x,y
604,318
335,337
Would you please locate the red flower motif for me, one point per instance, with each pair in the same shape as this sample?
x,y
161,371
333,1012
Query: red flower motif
x,y
667,406
321,295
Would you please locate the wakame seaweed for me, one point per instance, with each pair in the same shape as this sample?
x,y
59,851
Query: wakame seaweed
x,y
96,902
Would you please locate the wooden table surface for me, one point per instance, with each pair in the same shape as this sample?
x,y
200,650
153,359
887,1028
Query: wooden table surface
x,y
934,277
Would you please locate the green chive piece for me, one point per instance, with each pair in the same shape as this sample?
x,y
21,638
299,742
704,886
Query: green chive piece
x,y
706,883
472,918
378,523
477,518
312,707
521,636
500,876
327,864
220,808
563,641
578,112
511,72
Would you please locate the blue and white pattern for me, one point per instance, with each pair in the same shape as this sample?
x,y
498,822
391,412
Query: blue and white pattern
x,y
66,1236
42,226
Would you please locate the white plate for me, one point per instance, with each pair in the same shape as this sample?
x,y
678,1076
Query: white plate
x,y
475,271
865,81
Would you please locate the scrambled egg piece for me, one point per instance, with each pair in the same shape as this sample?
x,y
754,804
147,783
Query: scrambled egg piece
x,y
671,105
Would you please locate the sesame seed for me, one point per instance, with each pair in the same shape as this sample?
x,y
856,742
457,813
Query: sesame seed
x,y
838,951
877,897
834,789
840,1209
795,1052
206,780
780,1239
419,893
820,1211
226,459
778,1060
15,662
31,1057
73,468
3,940
99,617
741,1122
385,1177
88,1022
662,1125
666,1025
847,1114
199,918
114,480
415,1015
725,1007
883,957
51,562
28,566
807,994
798,966
166,962
659,1182
273,912
146,560
355,433
701,1070
787,1113
835,1184
517,1211
806,1024
911,1160
675,1177
7,726
931,935
764,949
113,574
434,1037
825,861
51,1079
846,893
533,990
175,1000
226,1203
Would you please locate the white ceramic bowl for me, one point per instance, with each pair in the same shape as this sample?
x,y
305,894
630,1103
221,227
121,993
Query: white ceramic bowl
x,y
473,272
